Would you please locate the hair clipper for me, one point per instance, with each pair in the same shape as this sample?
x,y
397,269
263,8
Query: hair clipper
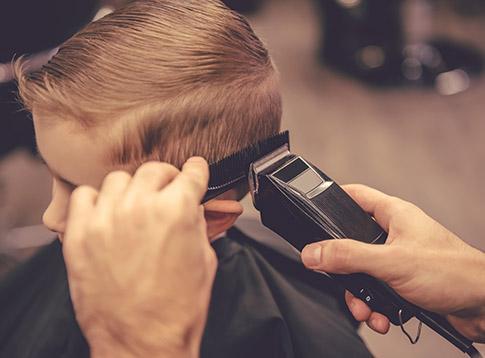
x,y
303,205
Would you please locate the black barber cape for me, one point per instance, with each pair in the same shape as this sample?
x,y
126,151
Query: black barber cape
x,y
263,305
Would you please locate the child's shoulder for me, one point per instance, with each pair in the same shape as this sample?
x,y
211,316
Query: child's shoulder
x,y
257,250
265,303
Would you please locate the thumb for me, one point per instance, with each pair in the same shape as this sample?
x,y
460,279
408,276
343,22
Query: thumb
x,y
345,256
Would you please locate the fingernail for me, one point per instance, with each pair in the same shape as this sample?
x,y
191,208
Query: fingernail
x,y
312,255
373,323
195,160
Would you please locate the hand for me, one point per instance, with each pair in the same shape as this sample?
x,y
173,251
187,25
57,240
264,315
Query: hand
x,y
421,260
139,263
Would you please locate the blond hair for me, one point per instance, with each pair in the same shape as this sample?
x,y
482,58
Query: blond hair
x,y
177,78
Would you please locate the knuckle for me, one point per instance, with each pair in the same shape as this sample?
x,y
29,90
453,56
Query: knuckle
x,y
185,200
405,212
80,192
116,176
395,270
337,255
121,212
392,207
171,214
400,206
142,202
392,203
178,201
162,207
411,208
211,261
406,206
178,208
135,209
149,168
125,209
97,228
153,168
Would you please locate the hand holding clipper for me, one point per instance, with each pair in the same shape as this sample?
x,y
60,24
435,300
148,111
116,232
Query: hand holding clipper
x,y
303,205
422,261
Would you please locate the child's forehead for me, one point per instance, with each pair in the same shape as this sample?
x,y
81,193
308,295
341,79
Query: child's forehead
x,y
77,156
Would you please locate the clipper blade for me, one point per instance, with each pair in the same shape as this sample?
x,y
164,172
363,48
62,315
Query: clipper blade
x,y
232,170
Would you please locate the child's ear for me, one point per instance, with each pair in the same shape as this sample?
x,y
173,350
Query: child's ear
x,y
221,215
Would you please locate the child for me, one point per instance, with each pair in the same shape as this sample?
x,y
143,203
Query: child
x,y
165,80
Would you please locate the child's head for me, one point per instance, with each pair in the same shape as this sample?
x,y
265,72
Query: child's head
x,y
156,80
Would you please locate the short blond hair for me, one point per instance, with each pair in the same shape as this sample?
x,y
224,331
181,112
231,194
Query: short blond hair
x,y
179,78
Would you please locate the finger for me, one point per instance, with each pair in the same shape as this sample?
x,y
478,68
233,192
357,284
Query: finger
x,y
193,180
152,176
381,206
148,179
378,322
345,256
113,187
81,206
226,206
358,308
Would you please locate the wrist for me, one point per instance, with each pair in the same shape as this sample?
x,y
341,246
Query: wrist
x,y
473,328
470,321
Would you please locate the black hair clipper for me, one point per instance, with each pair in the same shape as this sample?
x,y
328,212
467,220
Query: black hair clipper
x,y
303,205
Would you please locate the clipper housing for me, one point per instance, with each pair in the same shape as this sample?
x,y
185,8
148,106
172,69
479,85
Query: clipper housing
x,y
303,205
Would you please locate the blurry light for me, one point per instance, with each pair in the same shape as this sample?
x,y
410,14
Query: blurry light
x,y
6,73
349,3
3,73
426,54
412,69
105,10
430,56
452,82
32,63
38,60
372,56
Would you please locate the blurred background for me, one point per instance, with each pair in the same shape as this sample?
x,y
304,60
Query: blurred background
x,y
388,93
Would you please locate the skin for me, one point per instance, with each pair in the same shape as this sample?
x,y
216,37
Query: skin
x,y
128,232
415,262
76,156
126,249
